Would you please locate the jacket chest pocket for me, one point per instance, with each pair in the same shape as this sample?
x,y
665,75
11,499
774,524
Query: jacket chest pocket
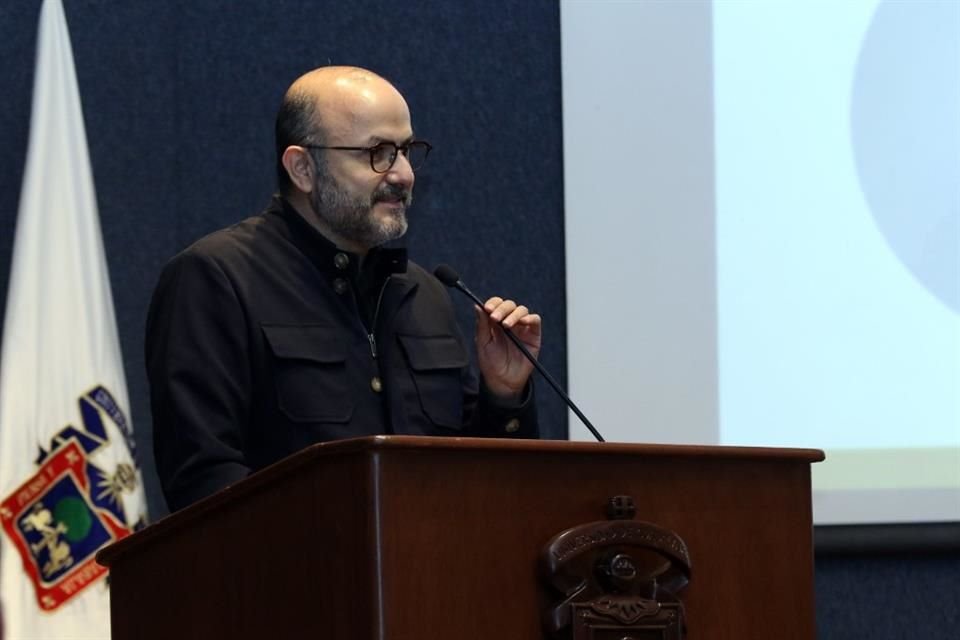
x,y
436,365
310,373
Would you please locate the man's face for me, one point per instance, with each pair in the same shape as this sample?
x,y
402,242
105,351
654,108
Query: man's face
x,y
357,204
363,214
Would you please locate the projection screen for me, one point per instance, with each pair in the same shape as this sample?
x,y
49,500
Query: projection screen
x,y
763,245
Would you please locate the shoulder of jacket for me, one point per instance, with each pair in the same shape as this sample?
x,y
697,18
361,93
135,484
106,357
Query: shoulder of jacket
x,y
422,277
226,245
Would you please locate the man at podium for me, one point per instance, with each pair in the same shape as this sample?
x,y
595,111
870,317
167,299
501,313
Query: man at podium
x,y
305,323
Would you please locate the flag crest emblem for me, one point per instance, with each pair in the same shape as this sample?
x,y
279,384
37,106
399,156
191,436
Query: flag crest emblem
x,y
69,475
71,506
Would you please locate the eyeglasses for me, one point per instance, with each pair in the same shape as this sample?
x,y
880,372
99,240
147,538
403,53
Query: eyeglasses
x,y
384,154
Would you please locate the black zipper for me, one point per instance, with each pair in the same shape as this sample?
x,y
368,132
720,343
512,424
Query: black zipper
x,y
371,338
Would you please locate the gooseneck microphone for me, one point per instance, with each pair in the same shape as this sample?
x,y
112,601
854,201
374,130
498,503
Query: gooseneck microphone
x,y
448,276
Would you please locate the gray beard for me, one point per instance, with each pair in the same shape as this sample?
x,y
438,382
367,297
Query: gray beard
x,y
351,218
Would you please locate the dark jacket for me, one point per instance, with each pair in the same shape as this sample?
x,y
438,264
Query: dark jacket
x,y
256,348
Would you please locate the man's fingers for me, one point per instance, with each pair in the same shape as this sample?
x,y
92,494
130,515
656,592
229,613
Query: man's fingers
x,y
530,320
499,309
509,314
492,304
514,316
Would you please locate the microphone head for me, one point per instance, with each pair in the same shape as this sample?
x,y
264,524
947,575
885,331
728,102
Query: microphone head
x,y
447,275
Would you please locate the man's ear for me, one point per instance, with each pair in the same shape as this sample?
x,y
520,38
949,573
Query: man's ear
x,y
299,167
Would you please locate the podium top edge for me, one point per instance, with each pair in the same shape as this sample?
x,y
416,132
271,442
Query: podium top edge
x,y
561,447
428,445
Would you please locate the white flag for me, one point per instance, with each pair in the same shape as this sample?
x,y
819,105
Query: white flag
x,y
69,478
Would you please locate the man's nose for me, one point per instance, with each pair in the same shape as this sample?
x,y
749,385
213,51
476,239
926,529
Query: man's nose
x,y
401,173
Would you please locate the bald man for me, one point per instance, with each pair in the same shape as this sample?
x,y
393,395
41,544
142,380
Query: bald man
x,y
299,325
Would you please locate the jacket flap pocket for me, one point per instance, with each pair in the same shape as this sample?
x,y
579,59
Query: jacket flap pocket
x,y
427,353
306,342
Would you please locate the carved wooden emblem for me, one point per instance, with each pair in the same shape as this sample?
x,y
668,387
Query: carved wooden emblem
x,y
615,579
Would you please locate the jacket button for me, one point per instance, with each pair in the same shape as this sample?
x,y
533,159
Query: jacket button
x,y
341,260
375,384
512,426
340,286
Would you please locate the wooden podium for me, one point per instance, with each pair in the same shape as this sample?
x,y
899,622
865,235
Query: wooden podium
x,y
407,538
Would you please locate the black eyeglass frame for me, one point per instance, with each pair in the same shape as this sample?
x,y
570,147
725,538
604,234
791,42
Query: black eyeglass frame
x,y
397,150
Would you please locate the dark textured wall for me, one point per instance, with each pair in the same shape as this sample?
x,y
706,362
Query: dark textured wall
x,y
179,98
898,596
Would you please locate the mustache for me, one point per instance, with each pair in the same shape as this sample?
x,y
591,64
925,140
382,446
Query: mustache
x,y
393,192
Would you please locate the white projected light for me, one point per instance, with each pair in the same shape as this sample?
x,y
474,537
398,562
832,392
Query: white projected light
x,y
837,247
834,209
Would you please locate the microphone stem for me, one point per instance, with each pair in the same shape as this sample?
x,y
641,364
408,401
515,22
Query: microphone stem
x,y
543,372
